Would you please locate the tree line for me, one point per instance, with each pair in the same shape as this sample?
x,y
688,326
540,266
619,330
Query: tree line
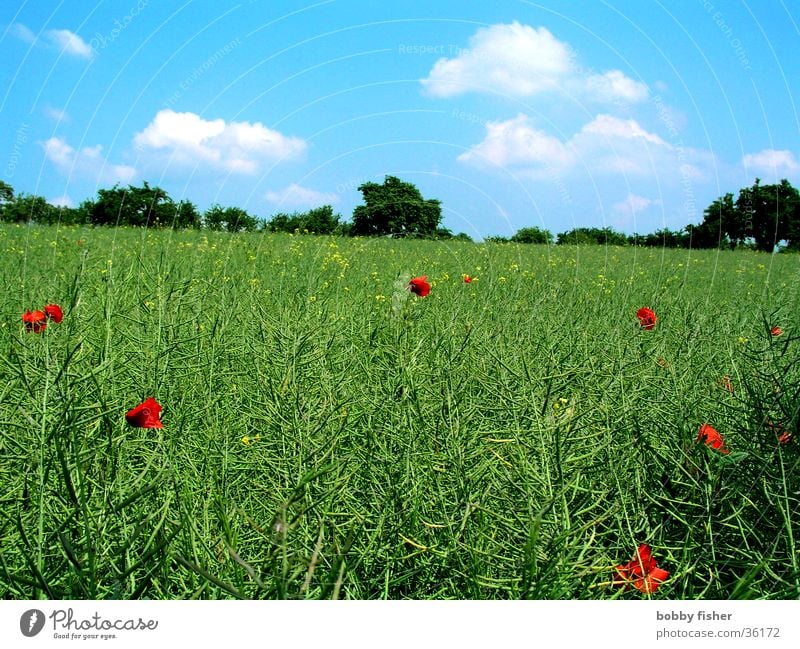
x,y
394,208
761,217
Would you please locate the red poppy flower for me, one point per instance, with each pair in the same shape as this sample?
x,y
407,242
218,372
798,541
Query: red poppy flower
x,y
145,415
54,313
776,331
467,279
726,383
646,318
712,439
784,436
35,321
419,286
642,572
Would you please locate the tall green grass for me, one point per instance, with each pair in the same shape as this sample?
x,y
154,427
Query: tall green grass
x,y
329,435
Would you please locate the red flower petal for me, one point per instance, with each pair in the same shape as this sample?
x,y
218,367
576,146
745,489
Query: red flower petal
x,y
784,436
467,279
419,286
145,415
647,318
651,581
776,331
54,313
35,321
712,438
641,572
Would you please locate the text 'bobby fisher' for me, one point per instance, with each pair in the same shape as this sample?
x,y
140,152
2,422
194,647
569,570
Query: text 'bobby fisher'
x,y
702,616
67,621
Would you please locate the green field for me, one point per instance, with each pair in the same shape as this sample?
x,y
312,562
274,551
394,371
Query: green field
x,y
328,434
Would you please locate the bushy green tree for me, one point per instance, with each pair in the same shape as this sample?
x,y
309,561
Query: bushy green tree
x,y
396,208
143,206
319,220
533,235
588,236
769,213
762,214
6,193
229,219
25,208
186,216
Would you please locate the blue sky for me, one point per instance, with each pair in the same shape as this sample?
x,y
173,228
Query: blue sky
x,y
628,114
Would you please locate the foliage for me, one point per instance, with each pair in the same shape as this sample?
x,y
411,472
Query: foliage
x,y
320,220
25,208
763,214
143,206
395,208
514,437
229,219
533,235
6,193
600,236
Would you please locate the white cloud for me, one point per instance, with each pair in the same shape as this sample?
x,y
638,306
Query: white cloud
x,y
606,144
598,164
56,114
517,142
70,43
609,126
614,85
23,33
522,61
236,147
772,163
512,59
295,195
632,204
87,162
62,39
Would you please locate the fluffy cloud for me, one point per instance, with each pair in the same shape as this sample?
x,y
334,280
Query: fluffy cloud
x,y
297,196
606,144
516,142
632,204
87,162
56,114
615,86
64,40
522,61
69,43
512,59
236,147
772,163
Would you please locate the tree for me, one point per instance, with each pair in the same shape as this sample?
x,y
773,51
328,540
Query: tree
x,y
722,223
584,236
771,212
763,214
143,206
707,235
320,220
533,235
396,208
6,193
25,208
230,219
186,216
